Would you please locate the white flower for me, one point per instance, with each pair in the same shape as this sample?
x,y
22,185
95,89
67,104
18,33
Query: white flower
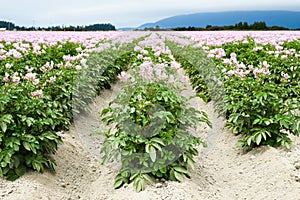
x,y
78,67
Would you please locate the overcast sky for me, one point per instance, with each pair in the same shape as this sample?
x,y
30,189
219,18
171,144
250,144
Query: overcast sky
x,y
122,13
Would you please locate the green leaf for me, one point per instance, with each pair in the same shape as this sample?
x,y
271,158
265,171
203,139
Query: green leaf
x,y
118,183
258,139
21,170
152,153
157,146
139,184
191,163
147,148
12,176
267,122
37,166
264,135
172,176
287,145
51,136
3,127
27,146
148,178
132,177
158,140
249,140
29,121
181,169
256,121
178,176
105,111
3,164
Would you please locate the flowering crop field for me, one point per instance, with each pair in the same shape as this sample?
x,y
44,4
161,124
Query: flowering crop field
x,y
253,78
260,72
37,73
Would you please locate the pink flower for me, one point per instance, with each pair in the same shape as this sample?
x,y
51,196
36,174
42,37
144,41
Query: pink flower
x,y
52,79
36,47
185,79
8,66
38,93
210,55
157,54
68,64
16,78
29,70
83,62
230,73
168,52
6,78
36,81
49,65
144,52
279,48
285,75
79,49
232,55
162,76
267,72
147,59
78,67
30,76
292,51
17,55
137,48
2,51
123,76
140,56
139,97
175,65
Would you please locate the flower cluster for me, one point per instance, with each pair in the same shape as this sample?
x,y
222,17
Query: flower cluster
x,y
38,94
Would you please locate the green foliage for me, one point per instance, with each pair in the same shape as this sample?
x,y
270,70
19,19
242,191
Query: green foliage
x,y
262,112
264,109
202,72
29,122
152,136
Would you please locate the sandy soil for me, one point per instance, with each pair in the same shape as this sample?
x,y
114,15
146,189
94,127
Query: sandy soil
x,y
223,171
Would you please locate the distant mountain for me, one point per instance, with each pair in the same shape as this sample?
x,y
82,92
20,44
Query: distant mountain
x,y
288,19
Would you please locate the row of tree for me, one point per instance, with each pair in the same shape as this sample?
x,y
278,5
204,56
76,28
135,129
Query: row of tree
x,y
238,26
94,27
110,27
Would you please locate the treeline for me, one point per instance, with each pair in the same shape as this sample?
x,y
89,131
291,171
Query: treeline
x,y
94,27
7,25
238,26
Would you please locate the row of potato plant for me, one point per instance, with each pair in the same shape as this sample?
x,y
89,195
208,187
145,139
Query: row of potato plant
x,y
260,87
37,81
151,120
